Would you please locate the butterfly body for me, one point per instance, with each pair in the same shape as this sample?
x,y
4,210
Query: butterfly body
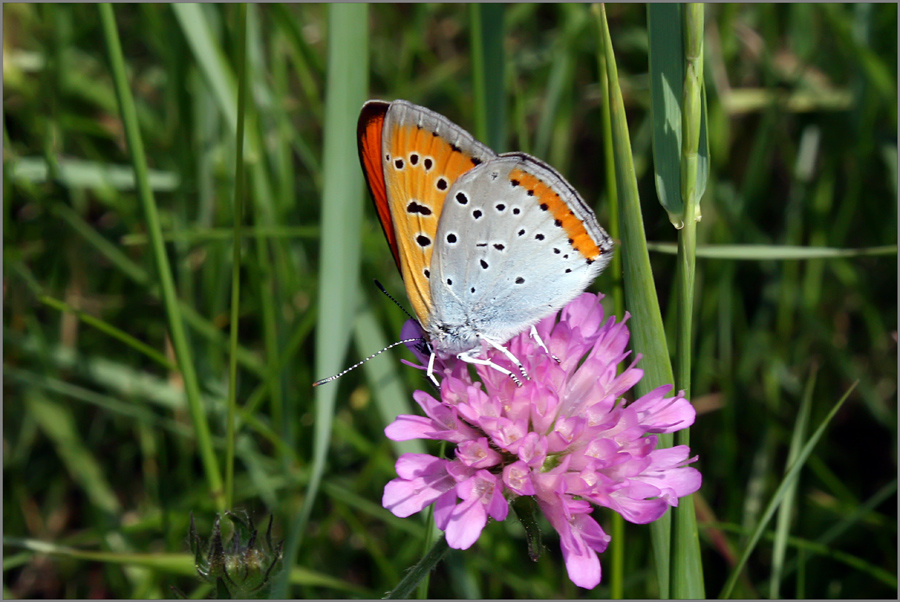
x,y
487,245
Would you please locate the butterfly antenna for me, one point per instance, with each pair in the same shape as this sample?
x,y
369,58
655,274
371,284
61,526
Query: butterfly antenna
x,y
397,303
358,364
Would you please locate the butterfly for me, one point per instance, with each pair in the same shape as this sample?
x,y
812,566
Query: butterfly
x,y
487,244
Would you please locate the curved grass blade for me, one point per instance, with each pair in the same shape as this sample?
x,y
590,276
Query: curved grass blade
x,y
779,494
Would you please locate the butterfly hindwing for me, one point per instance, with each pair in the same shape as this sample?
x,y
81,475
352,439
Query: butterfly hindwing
x,y
515,244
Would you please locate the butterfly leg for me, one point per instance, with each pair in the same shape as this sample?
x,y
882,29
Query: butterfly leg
x,y
537,339
470,357
430,372
508,355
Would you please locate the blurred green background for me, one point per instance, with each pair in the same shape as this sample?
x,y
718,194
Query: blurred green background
x,y
99,452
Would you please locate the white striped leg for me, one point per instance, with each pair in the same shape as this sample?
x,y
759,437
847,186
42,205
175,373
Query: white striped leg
x,y
508,355
537,339
430,372
470,357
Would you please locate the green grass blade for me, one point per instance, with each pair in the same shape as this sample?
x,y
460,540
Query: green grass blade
x,y
666,85
779,494
58,424
788,507
238,218
111,330
135,272
173,564
134,411
341,221
647,334
616,550
179,339
488,78
772,252
210,58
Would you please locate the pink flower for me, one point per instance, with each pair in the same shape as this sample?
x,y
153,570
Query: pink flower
x,y
565,437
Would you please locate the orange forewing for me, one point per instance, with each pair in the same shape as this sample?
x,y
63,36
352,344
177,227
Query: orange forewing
x,y
368,132
409,195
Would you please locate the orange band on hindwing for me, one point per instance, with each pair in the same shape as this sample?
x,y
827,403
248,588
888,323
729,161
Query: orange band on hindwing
x,y
550,201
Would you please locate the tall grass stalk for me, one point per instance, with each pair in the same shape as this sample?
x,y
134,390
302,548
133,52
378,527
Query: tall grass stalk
x,y
687,569
183,352
236,253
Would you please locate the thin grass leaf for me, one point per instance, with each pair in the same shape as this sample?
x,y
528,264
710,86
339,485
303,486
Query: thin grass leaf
x,y
486,32
110,404
419,572
819,549
111,330
58,424
78,173
647,333
173,564
788,506
340,244
778,496
617,544
179,340
772,252
666,86
238,220
211,60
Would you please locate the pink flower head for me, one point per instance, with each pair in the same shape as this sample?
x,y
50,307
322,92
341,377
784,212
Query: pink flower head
x,y
565,437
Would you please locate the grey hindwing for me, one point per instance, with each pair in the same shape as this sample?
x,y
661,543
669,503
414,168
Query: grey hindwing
x,y
502,263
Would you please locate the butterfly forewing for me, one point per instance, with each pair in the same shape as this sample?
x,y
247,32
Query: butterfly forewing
x,y
422,155
368,136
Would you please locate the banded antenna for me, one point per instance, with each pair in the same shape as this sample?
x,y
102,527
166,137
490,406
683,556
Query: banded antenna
x,y
360,363
391,346
397,303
